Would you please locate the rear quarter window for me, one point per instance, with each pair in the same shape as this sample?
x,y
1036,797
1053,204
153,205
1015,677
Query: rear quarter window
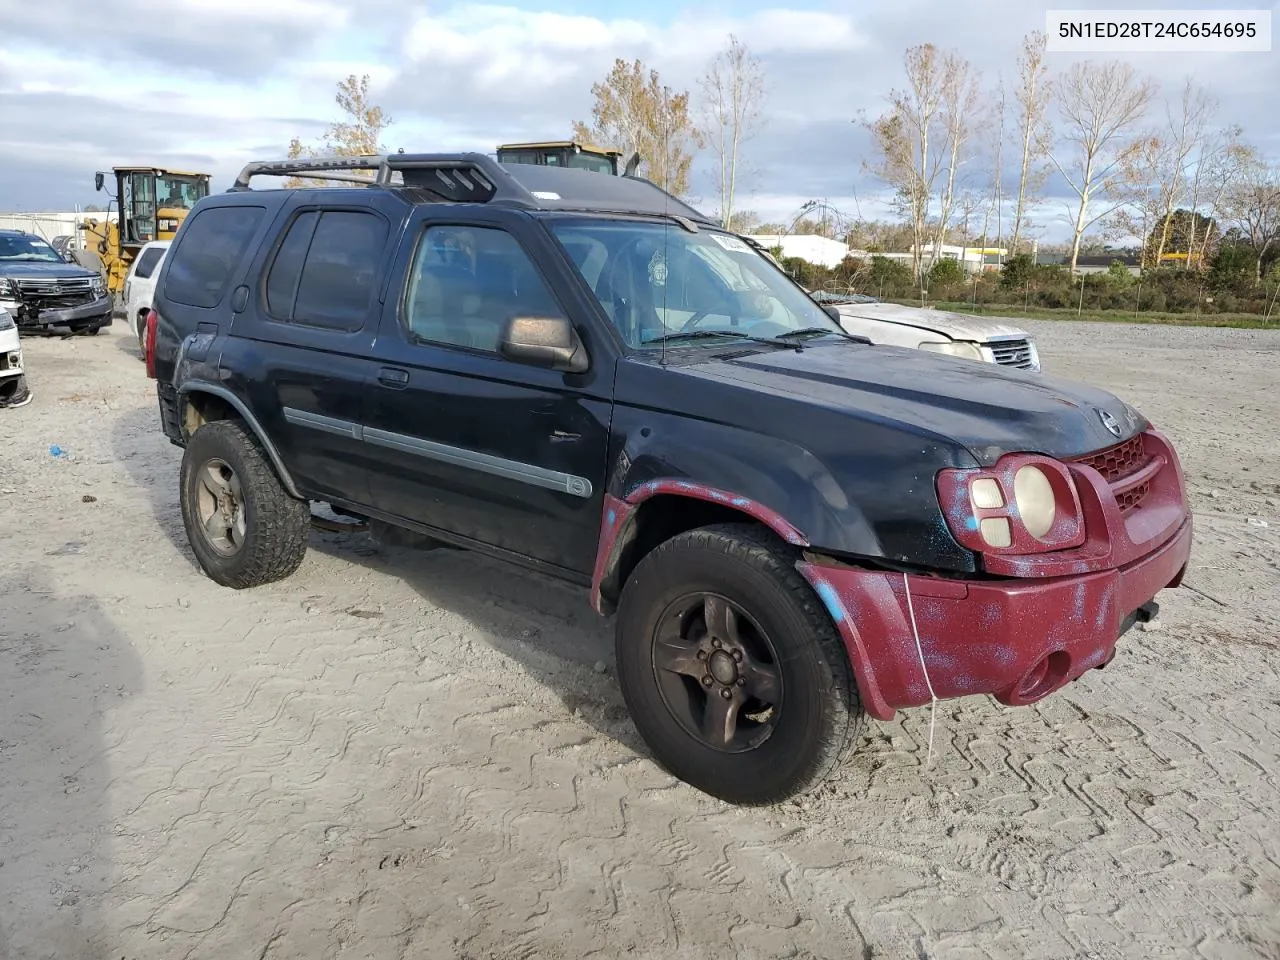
x,y
325,272
209,250
148,260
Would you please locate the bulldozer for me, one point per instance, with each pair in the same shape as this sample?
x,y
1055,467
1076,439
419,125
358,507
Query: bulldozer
x,y
568,153
149,204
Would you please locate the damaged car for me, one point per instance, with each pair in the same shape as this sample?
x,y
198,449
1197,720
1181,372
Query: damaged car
x,y
794,529
13,379
985,339
45,293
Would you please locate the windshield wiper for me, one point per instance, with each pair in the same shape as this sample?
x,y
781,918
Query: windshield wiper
x,y
809,331
732,334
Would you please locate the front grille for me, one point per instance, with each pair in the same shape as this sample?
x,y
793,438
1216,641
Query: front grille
x,y
1118,463
1012,353
44,289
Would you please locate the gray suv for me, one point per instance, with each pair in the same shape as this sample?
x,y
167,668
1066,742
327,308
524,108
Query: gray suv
x,y
45,293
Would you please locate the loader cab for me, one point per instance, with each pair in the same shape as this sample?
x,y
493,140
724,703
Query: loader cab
x,y
562,153
150,203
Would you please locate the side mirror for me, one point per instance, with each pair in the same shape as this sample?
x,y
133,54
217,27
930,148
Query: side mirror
x,y
549,342
832,311
97,181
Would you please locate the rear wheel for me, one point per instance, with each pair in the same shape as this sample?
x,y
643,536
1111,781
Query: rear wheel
x,y
244,527
142,334
731,668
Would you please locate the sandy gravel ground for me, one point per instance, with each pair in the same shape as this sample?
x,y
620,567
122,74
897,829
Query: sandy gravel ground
x,y
398,754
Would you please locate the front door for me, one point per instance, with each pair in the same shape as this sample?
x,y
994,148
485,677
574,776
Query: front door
x,y
464,440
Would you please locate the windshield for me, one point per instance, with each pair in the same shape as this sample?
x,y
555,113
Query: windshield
x,y
27,248
181,192
655,280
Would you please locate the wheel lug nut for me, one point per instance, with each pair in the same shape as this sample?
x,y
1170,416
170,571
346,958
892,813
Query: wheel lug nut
x,y
726,693
707,681
716,643
702,654
737,655
742,681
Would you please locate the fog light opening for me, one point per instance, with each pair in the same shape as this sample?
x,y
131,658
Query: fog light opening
x,y
1046,675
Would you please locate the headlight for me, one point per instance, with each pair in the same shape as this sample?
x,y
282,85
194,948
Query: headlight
x,y
1034,496
97,286
6,320
7,289
955,348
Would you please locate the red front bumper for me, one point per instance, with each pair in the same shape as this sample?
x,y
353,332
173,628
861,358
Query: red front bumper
x,y
1019,640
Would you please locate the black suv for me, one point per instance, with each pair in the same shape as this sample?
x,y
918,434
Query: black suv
x,y
582,374
44,292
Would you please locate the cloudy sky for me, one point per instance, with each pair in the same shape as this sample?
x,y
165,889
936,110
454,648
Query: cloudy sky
x,y
209,84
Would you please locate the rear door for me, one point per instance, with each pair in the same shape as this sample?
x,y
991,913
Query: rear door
x,y
301,346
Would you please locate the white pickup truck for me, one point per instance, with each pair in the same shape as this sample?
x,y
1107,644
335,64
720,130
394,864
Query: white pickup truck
x,y
987,339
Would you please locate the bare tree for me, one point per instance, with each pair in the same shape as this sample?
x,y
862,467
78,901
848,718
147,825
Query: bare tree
x,y
1216,171
635,112
1098,104
1034,92
733,89
1139,191
905,155
1252,204
1185,137
959,120
995,203
358,134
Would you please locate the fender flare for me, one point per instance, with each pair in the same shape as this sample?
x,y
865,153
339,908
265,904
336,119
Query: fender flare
x,y
222,393
617,525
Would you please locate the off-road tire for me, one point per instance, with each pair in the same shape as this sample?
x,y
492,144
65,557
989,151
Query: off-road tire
x,y
821,719
276,524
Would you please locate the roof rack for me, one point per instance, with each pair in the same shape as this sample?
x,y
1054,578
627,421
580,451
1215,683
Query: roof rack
x,y
479,178
453,177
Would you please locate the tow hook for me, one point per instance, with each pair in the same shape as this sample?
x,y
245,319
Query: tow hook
x,y
1144,614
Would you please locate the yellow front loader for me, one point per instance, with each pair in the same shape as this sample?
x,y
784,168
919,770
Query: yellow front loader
x,y
149,204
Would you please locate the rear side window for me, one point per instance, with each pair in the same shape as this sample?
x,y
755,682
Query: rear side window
x,y
326,269
148,261
211,247
286,269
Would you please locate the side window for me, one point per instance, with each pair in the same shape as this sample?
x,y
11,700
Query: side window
x,y
210,248
286,268
467,282
148,261
340,273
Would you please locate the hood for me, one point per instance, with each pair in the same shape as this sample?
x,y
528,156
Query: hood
x,y
957,326
36,270
989,409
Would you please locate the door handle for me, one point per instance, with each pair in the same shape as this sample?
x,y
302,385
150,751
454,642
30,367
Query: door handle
x,y
393,377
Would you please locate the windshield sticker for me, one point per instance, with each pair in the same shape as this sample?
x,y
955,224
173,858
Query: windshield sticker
x,y
546,195
731,243
657,269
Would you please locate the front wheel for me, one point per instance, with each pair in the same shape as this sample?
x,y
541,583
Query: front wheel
x,y
244,527
731,668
